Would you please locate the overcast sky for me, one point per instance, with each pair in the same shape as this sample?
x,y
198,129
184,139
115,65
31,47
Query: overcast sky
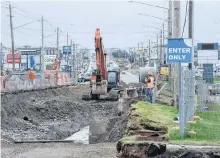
x,y
120,24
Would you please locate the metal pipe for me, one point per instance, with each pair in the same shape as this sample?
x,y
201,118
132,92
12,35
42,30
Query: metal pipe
x,y
44,141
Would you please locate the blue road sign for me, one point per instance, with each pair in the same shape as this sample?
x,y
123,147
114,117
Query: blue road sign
x,y
179,50
67,49
32,61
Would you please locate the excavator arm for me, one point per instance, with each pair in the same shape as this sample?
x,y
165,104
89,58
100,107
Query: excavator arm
x,y
101,72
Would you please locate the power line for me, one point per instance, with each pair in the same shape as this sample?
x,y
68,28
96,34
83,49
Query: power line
x,y
105,33
25,15
148,4
27,12
37,29
186,12
25,24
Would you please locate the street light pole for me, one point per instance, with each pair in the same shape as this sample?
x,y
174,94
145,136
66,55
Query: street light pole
x,y
158,53
149,54
1,57
58,53
42,47
163,46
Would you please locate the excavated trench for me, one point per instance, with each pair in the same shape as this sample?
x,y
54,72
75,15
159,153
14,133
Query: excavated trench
x,y
56,114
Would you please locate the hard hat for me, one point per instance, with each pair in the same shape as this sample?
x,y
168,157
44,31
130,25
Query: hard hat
x,y
150,73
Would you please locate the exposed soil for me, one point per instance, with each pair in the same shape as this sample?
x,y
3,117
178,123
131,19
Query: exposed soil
x,y
158,150
56,114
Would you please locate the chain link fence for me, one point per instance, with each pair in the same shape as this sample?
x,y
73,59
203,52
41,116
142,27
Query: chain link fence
x,y
207,106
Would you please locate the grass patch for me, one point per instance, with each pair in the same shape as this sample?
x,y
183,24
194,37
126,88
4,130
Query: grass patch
x,y
160,115
213,107
207,129
216,79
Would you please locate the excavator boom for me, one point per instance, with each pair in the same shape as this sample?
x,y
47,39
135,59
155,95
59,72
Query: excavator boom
x,y
100,56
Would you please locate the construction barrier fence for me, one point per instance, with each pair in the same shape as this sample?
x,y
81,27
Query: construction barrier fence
x,y
16,83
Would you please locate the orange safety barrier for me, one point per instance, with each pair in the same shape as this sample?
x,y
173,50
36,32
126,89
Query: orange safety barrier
x,y
2,84
32,76
59,79
67,77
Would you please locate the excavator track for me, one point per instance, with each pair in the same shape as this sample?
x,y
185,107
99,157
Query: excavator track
x,y
113,96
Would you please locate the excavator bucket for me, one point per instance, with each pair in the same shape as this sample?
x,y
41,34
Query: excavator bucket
x,y
86,95
114,94
130,92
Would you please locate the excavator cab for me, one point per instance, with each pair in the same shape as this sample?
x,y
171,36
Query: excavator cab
x,y
113,78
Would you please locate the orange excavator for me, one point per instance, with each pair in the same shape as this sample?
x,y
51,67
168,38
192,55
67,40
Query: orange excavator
x,y
103,82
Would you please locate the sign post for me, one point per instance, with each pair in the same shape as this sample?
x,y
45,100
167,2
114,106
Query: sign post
x,y
179,51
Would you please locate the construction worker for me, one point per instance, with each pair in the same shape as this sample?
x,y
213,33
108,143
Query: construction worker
x,y
79,77
30,76
149,87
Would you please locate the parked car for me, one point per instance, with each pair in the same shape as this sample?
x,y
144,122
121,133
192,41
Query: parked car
x,y
87,77
123,72
214,89
84,77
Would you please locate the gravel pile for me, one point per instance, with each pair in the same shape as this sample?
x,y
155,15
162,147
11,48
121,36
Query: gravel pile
x,y
55,114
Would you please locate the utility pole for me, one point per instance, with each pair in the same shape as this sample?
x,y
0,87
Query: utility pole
x,y
163,46
149,54
58,52
12,39
178,70
76,53
67,55
1,57
191,65
142,52
138,55
176,34
67,39
170,24
191,12
74,63
135,62
158,53
161,43
71,56
42,46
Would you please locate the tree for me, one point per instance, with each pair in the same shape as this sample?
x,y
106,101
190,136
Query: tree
x,y
120,54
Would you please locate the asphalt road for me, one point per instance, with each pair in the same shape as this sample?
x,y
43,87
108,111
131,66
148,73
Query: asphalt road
x,y
129,78
58,150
